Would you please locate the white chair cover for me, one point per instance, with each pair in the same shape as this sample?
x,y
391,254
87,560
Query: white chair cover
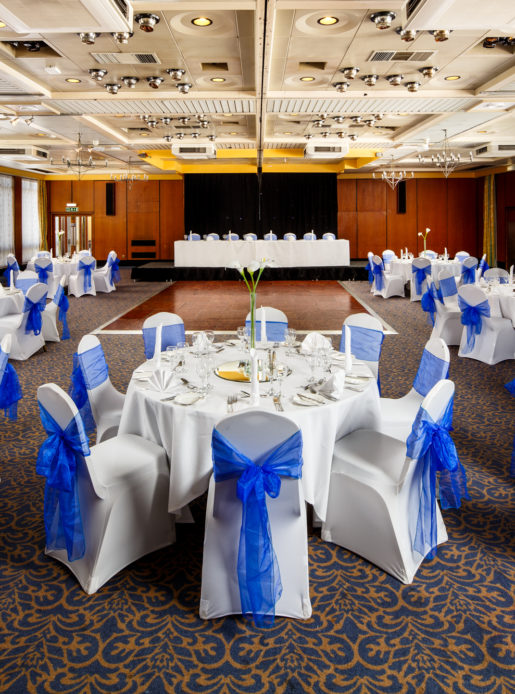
x,y
26,279
249,237
43,267
270,236
364,321
172,332
329,236
50,329
25,344
310,236
276,324
102,277
290,236
78,282
447,316
386,285
421,269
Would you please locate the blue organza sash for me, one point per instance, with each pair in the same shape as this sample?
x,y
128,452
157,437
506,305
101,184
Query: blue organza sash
x,y
428,301
420,275
275,330
88,268
61,300
432,446
365,342
89,371
114,271
43,272
483,265
34,319
10,391
468,274
369,269
258,571
13,265
472,317
431,370
25,283
58,460
170,335
448,286
378,276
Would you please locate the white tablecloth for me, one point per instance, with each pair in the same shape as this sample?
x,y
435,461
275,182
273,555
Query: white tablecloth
x,y
502,302
403,268
185,432
60,268
284,253
11,302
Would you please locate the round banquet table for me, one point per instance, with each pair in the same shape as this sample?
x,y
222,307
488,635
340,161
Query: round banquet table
x,y
185,431
60,267
502,301
403,268
11,302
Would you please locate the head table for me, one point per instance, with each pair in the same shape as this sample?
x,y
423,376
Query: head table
x,y
185,431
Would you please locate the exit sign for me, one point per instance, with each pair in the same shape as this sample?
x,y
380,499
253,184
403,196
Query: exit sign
x,y
72,209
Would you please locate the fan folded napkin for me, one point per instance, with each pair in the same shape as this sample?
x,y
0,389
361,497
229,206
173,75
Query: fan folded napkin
x,y
163,380
315,341
334,386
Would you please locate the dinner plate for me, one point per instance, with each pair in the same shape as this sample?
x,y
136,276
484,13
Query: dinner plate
x,y
304,402
186,398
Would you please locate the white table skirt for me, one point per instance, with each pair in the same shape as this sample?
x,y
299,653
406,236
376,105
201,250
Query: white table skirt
x,y
11,302
403,268
502,302
298,253
185,432
60,268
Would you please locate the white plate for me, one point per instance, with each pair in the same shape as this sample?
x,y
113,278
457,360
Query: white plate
x,y
296,400
187,398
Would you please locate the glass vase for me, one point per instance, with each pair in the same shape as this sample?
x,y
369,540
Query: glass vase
x,y
252,341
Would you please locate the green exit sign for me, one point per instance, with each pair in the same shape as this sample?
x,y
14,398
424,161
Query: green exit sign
x,y
72,209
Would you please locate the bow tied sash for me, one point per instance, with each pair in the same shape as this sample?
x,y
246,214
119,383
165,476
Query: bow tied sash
x,y
258,570
61,300
420,275
58,460
34,319
369,269
114,271
472,318
428,301
10,390
87,269
468,274
483,265
430,443
43,272
378,276
11,265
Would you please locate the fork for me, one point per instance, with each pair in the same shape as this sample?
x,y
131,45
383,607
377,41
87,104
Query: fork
x,y
231,400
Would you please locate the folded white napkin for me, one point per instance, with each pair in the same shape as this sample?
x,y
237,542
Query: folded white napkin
x,y
334,386
315,341
163,379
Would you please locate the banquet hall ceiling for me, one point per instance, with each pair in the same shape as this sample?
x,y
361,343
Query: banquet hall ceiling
x,y
262,76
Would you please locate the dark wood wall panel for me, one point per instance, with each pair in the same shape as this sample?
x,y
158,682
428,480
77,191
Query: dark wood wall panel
x,y
432,213
461,216
110,231
83,196
171,216
505,198
401,229
347,218
371,232
60,194
371,195
143,220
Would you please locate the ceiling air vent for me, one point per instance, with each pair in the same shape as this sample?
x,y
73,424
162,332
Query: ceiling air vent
x,y
24,153
325,151
72,16
491,151
194,151
125,58
401,56
214,67
311,65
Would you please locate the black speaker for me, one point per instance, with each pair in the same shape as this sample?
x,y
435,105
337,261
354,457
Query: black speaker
x,y
401,197
110,199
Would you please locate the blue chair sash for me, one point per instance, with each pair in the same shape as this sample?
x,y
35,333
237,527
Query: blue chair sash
x,y
483,266
366,344
431,444
420,275
114,271
472,317
369,269
13,265
88,269
89,371
448,286
270,237
34,319
43,272
25,283
329,236
428,301
170,335
431,370
258,571
468,274
10,390
275,330
58,460
61,300
378,275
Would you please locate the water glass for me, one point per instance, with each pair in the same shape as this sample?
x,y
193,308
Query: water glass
x,y
204,373
291,339
210,336
241,332
312,359
172,356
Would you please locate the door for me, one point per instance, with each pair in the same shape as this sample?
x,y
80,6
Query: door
x,y
71,232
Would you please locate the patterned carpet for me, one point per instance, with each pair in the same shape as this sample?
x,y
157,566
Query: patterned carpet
x,y
450,631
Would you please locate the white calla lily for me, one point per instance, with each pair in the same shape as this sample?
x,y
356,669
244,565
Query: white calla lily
x,y
254,265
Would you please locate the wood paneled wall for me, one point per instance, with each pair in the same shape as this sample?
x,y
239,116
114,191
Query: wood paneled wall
x,y
368,215
149,216
505,199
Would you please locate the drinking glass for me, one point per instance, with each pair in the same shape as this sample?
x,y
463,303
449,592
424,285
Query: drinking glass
x,y
210,336
312,359
172,356
181,356
241,332
204,373
291,339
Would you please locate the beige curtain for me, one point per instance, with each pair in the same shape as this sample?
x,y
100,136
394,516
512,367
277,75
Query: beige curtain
x,y
490,221
42,214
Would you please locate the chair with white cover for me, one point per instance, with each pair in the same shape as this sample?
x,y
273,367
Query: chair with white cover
x,y
92,390
461,255
26,327
10,390
12,266
398,414
496,275
388,256
487,338
290,236
276,323
83,252
212,237
446,319
82,282
270,236
26,279
382,500
329,236
310,236
243,573
468,270
193,237
448,289
105,506
386,285
432,255
45,270
250,237
105,278
43,254
58,307
366,339
231,236
172,332
420,271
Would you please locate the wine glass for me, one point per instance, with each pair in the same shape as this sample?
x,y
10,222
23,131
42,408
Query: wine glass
x,y
210,335
291,340
172,357
241,332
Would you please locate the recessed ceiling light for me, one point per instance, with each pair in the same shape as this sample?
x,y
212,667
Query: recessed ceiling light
x,y
218,79
294,114
307,79
452,78
2,24
328,21
287,133
233,133
479,131
227,115
201,21
43,134
143,134
73,80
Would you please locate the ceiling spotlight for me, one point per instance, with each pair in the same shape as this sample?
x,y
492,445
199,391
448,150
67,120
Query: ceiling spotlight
x,y
341,86
412,86
452,78
308,136
395,80
341,134
72,80
319,123
349,72
166,120
145,118
370,80
28,121
130,82
383,20
307,78
407,34
353,137
211,138
202,21
167,138
326,133
440,35
370,122
155,82
88,37
491,42
195,136
32,46
379,116
176,73
339,119
122,37
112,88
146,21
152,123
218,80
429,71
180,136
328,21
356,119
184,120
97,75
203,123
184,87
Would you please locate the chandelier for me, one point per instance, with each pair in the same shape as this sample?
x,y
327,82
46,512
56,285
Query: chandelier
x,y
80,165
129,176
447,160
394,176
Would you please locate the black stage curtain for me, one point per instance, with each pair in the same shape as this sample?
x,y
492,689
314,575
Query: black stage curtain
x,y
284,203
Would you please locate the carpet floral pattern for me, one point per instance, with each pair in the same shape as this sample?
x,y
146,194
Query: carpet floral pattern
x,y
449,631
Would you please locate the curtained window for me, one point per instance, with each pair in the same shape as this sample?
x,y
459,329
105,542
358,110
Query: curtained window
x,y
6,218
30,227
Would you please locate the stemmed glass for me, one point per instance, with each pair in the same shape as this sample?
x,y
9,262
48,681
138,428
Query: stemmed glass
x,y
241,332
312,359
210,337
204,373
291,340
